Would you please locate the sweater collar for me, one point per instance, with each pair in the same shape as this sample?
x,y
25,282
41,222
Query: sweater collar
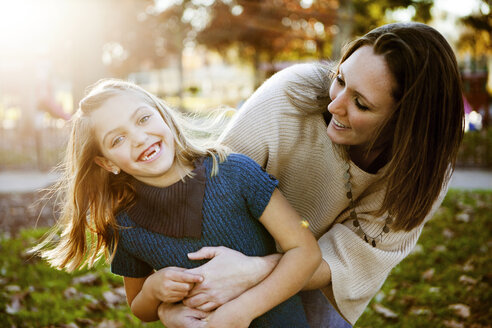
x,y
174,211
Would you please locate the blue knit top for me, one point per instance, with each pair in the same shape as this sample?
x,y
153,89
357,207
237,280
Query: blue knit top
x,y
233,201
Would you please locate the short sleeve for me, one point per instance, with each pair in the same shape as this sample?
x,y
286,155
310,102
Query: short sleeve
x,y
255,183
127,265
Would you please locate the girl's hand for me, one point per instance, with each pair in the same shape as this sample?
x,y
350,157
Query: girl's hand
x,y
180,316
227,275
229,315
171,284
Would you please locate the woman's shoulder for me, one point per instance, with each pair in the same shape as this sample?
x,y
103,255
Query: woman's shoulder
x,y
297,73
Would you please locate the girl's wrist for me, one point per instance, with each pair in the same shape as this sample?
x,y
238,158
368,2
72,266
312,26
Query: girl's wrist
x,y
148,289
265,265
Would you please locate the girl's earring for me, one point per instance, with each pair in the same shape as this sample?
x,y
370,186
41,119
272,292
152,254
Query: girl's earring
x,y
116,171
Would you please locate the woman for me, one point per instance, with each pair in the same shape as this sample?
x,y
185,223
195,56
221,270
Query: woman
x,y
363,153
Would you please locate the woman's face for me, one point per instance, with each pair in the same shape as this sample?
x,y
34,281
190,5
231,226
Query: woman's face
x,y
361,98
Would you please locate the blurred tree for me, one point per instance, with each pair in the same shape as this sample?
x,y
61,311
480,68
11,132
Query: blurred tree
x,y
266,30
146,34
357,17
269,30
478,37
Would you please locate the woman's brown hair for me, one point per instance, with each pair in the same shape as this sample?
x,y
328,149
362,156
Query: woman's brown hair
x,y
427,126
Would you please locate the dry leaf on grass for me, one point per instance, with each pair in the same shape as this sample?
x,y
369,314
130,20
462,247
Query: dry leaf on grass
x,y
453,324
461,310
384,311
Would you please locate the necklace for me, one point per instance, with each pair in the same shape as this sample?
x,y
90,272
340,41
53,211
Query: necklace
x,y
353,213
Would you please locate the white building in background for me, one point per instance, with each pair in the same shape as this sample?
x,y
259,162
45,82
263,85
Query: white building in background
x,y
208,81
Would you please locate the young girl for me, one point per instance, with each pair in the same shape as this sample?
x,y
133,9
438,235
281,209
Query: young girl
x,y
150,194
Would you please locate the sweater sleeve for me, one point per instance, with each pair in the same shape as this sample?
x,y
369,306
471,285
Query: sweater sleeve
x,y
358,269
254,130
255,183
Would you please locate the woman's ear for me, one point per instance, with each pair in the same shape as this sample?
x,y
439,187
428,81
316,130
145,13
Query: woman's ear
x,y
107,164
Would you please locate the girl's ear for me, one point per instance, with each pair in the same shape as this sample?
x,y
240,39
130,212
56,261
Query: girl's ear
x,y
106,164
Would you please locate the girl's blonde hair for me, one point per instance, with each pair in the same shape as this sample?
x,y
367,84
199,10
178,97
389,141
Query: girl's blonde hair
x,y
89,197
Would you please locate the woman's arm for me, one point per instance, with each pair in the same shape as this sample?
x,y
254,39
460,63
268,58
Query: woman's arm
x,y
169,285
301,258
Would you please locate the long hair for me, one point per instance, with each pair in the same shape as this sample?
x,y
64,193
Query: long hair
x,y
423,135
89,197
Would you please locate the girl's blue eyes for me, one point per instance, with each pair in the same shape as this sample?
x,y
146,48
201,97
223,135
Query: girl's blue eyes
x,y
356,100
116,141
141,120
144,119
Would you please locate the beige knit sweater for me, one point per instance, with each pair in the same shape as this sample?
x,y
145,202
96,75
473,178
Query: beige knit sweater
x,y
293,146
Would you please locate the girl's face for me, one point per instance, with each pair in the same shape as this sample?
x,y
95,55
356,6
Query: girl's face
x,y
134,138
361,98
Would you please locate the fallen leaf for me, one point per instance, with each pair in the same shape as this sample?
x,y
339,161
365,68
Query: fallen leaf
x,y
463,217
428,274
453,324
109,324
384,311
70,325
12,288
72,293
88,279
418,249
85,321
468,266
434,290
113,298
420,310
461,310
464,279
448,233
16,303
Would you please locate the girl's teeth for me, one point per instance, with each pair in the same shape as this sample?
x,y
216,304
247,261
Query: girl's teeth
x,y
153,154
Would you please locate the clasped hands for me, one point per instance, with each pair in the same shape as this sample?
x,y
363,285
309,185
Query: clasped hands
x,y
206,294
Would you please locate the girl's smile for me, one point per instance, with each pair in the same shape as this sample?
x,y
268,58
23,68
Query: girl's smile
x,y
151,153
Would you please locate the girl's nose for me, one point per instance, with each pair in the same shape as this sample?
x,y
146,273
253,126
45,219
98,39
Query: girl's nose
x,y
138,138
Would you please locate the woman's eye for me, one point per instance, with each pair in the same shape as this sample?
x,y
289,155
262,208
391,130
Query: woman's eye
x,y
116,141
359,105
340,80
144,119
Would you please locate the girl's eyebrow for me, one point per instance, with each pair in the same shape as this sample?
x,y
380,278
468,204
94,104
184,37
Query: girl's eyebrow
x,y
132,117
357,92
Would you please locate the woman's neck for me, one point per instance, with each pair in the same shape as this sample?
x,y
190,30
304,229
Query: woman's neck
x,y
370,162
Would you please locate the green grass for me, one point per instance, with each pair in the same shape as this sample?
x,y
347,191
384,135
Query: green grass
x,y
51,298
456,257
35,295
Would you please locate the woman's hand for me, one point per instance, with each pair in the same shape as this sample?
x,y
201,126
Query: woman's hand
x,y
227,275
171,284
180,316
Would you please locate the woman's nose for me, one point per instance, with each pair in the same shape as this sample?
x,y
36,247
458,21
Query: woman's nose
x,y
338,104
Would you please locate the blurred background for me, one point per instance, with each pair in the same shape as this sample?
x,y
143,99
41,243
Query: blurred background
x,y
197,55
